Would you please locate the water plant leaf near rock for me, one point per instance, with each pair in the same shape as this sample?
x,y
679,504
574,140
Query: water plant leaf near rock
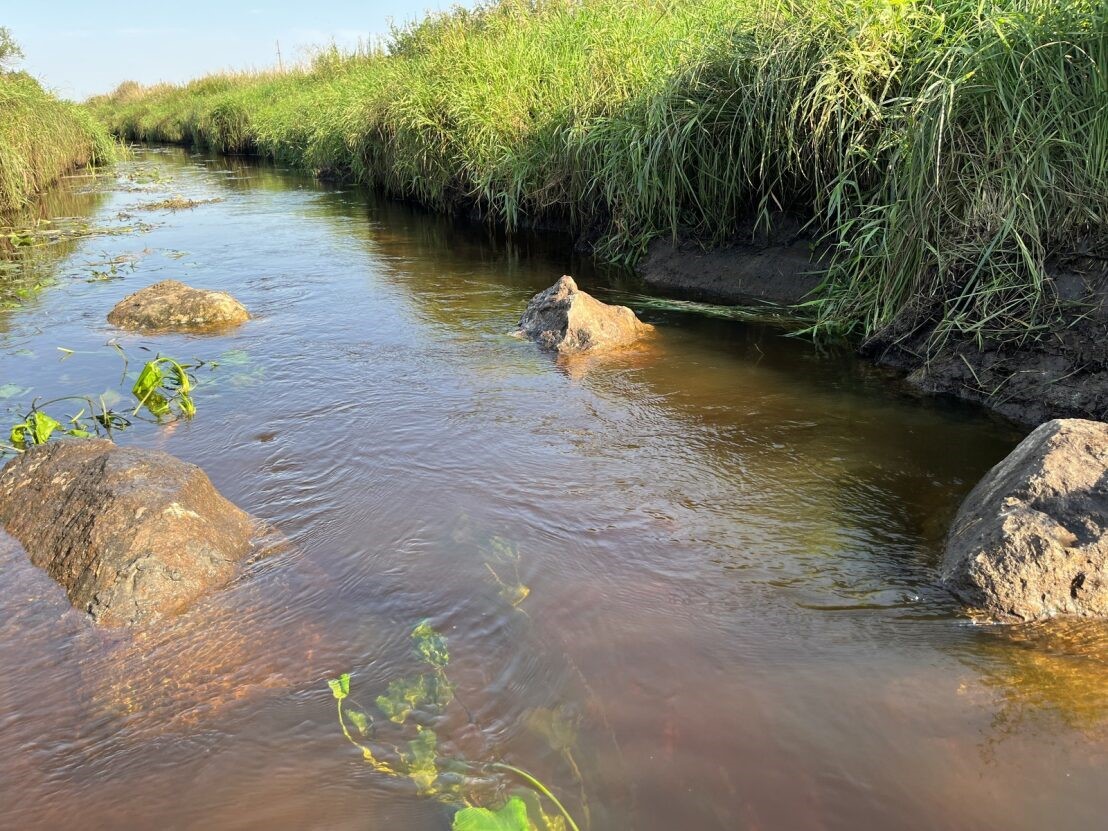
x,y
567,320
1031,540
132,535
172,306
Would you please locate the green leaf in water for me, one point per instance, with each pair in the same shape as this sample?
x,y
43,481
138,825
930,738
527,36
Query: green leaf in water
x,y
403,696
35,429
359,719
340,687
162,383
420,761
234,357
558,726
511,817
12,391
440,692
503,551
430,645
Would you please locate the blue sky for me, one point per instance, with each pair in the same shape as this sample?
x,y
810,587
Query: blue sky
x,y
83,47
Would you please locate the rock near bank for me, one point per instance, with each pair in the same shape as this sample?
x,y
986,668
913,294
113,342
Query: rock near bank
x,y
567,320
131,534
1031,540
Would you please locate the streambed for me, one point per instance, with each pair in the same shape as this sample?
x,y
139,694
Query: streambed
x,y
727,540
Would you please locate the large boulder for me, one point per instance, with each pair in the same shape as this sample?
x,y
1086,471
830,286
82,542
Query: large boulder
x,y
131,534
568,320
1031,540
173,306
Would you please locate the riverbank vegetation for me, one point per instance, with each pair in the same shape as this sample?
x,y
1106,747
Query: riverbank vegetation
x,y
945,154
41,136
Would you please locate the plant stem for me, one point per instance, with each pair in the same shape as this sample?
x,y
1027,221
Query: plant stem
x,y
540,787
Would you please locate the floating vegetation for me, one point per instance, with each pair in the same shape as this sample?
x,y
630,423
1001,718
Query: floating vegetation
x,y
176,203
417,703
64,229
112,268
162,391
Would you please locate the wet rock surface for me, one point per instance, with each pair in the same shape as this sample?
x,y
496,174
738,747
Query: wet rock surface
x,y
1031,540
567,320
173,306
132,535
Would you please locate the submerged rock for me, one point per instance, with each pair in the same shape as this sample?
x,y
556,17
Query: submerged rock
x,y
131,534
568,320
173,306
1031,540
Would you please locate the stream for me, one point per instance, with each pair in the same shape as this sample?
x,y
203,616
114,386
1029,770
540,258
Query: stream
x,y
689,586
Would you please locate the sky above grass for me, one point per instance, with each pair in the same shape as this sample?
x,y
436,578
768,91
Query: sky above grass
x,y
80,48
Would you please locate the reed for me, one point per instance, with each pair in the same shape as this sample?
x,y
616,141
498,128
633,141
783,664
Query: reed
x,y
947,152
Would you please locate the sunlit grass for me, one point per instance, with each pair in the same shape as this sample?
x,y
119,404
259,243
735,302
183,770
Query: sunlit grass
x,y
41,138
945,151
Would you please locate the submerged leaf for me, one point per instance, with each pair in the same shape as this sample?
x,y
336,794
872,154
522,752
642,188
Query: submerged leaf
x,y
359,719
515,594
503,551
403,696
430,645
12,391
511,817
421,761
558,726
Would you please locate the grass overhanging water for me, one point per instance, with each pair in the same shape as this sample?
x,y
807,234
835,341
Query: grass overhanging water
x,y
41,136
947,153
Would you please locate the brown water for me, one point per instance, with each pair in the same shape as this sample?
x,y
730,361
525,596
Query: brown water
x,y
729,540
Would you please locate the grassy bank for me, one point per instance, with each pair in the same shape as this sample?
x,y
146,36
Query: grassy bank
x,y
42,137
946,151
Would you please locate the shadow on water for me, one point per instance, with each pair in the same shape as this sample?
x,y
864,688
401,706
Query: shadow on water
x,y
689,585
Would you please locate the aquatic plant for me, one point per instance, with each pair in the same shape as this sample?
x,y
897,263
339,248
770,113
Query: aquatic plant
x,y
163,388
505,554
176,203
412,701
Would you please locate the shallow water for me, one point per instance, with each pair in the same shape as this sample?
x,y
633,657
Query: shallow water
x,y
728,537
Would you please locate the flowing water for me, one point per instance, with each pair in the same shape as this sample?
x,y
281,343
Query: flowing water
x,y
729,541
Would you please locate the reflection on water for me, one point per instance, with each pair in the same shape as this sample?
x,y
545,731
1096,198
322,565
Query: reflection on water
x,y
1051,675
689,586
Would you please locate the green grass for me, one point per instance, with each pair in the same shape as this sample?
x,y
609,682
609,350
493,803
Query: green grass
x,y
946,152
42,137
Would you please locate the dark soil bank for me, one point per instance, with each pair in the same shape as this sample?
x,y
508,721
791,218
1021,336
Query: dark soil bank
x,y
1058,374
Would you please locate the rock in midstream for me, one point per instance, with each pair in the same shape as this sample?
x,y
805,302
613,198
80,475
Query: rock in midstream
x,y
567,320
170,306
1031,540
131,534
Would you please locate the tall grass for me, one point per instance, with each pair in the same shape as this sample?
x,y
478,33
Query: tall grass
x,y
945,151
42,137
